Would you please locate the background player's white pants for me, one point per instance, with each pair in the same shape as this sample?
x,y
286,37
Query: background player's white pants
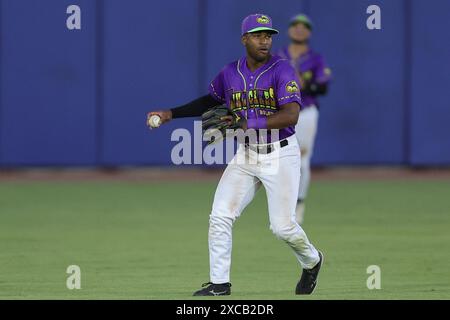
x,y
237,188
305,131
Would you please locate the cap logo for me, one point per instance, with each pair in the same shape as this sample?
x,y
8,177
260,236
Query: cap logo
x,y
263,20
292,86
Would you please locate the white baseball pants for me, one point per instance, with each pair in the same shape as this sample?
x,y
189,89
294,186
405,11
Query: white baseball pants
x,y
279,173
305,131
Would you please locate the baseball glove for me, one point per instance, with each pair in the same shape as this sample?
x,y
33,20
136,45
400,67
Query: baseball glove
x,y
217,120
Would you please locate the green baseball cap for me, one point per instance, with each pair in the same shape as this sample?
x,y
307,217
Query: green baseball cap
x,y
301,18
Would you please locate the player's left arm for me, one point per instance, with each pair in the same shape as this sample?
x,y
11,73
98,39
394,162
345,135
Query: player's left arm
x,y
285,117
288,98
287,92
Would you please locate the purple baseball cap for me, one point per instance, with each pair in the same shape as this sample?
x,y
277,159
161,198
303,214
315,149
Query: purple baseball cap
x,y
257,22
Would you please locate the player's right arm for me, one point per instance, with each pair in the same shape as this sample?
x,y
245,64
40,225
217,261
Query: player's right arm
x,y
196,107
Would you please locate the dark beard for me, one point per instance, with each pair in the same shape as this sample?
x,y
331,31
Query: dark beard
x,y
259,59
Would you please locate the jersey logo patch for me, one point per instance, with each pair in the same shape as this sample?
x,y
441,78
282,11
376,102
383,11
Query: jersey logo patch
x,y
263,20
292,87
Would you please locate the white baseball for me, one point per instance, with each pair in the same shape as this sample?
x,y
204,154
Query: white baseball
x,y
155,121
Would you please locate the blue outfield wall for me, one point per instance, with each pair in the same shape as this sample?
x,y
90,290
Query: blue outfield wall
x,y
150,62
430,87
81,97
362,118
48,84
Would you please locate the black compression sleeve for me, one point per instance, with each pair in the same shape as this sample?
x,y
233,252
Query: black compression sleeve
x,y
195,108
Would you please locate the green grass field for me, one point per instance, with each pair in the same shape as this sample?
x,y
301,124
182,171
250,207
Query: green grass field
x,y
149,241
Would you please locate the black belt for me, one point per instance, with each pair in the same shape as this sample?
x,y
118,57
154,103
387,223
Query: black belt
x,y
266,149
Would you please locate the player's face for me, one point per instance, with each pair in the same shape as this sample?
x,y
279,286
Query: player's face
x,y
299,32
258,45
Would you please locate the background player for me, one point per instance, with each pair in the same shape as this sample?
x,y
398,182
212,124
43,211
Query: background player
x,y
314,77
263,91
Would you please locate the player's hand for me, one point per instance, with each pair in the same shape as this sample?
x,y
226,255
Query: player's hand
x,y
237,121
165,115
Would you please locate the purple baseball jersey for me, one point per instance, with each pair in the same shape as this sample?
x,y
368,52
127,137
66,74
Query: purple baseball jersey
x,y
260,93
311,67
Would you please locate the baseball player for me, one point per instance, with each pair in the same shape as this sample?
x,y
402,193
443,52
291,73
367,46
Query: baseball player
x,y
314,77
262,92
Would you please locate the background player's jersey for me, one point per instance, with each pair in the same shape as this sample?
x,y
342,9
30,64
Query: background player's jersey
x,y
311,68
259,93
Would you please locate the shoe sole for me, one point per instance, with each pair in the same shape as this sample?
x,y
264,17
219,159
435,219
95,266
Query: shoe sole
x,y
211,295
